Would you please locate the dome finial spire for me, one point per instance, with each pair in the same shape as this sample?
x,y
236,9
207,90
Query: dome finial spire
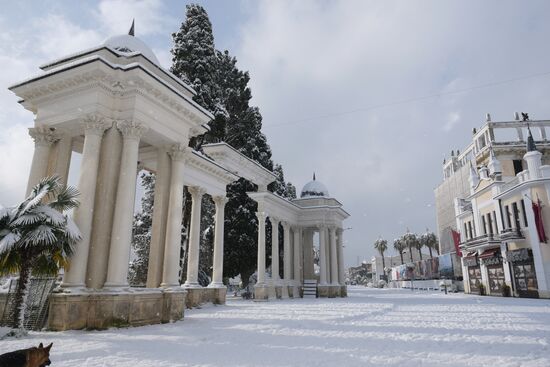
x,y
131,31
313,176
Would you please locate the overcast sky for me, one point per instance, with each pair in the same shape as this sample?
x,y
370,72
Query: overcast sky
x,y
340,84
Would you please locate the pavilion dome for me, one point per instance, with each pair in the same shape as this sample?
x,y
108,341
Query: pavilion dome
x,y
314,188
127,44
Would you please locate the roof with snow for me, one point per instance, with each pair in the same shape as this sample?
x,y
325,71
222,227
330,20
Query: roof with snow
x,y
314,188
128,45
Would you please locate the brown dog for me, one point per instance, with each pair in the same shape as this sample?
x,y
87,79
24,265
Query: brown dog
x,y
31,357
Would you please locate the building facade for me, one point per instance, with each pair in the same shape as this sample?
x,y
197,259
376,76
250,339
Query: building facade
x,y
507,140
502,219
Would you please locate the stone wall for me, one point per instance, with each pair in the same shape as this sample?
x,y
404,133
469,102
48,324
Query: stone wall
x,y
101,310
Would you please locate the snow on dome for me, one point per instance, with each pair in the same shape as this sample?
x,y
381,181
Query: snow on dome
x,y
314,188
128,44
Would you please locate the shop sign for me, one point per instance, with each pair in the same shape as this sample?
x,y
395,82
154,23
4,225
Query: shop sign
x,y
517,255
470,261
494,260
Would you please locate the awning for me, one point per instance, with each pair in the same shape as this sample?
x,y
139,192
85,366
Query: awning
x,y
489,253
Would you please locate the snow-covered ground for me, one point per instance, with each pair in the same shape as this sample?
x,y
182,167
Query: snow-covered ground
x,y
370,327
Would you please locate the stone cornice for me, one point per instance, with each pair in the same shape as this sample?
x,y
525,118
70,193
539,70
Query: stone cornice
x,y
54,85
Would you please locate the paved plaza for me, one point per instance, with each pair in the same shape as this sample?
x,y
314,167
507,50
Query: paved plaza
x,y
386,327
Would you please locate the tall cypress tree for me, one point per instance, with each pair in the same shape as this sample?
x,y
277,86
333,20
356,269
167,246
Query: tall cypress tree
x,y
223,89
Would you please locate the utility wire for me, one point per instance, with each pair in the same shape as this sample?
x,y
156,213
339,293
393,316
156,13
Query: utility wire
x,y
405,101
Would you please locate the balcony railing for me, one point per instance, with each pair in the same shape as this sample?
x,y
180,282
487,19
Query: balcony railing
x,y
511,234
481,240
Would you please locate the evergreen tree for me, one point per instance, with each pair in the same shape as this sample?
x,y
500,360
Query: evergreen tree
x,y
223,89
141,239
280,187
194,55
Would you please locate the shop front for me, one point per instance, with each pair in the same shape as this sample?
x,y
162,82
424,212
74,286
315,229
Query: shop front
x,y
523,272
474,273
492,260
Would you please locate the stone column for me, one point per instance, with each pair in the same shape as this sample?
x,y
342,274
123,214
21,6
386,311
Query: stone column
x,y
60,160
217,271
286,259
327,252
275,250
307,251
121,235
94,126
261,289
172,244
333,257
194,238
341,266
297,262
322,256
160,213
104,208
43,139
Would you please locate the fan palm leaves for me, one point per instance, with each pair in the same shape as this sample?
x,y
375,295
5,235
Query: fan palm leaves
x,y
35,236
411,240
381,246
399,245
429,240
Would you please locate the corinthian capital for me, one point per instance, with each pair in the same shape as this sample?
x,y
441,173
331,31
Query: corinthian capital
x,y
177,152
43,135
196,192
220,200
95,124
131,129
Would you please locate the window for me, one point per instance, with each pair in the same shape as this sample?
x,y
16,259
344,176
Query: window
x,y
524,212
516,215
484,224
518,166
470,228
495,220
507,217
466,236
490,223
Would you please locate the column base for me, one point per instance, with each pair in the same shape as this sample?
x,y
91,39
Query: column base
x,y
343,291
261,292
323,290
296,290
284,291
334,291
217,293
279,291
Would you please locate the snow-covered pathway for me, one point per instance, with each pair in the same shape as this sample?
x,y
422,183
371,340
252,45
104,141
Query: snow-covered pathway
x,y
371,327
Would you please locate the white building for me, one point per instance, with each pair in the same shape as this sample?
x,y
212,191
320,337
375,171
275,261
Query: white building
x,y
504,220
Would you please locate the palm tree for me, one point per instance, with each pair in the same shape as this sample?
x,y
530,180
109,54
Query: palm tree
x,y
36,237
381,245
410,240
399,245
429,240
418,244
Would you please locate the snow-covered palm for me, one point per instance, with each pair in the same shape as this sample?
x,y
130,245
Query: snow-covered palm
x,y
410,241
35,236
381,246
429,240
399,245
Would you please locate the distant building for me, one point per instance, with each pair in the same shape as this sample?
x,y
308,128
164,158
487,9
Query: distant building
x,y
392,261
504,218
507,139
